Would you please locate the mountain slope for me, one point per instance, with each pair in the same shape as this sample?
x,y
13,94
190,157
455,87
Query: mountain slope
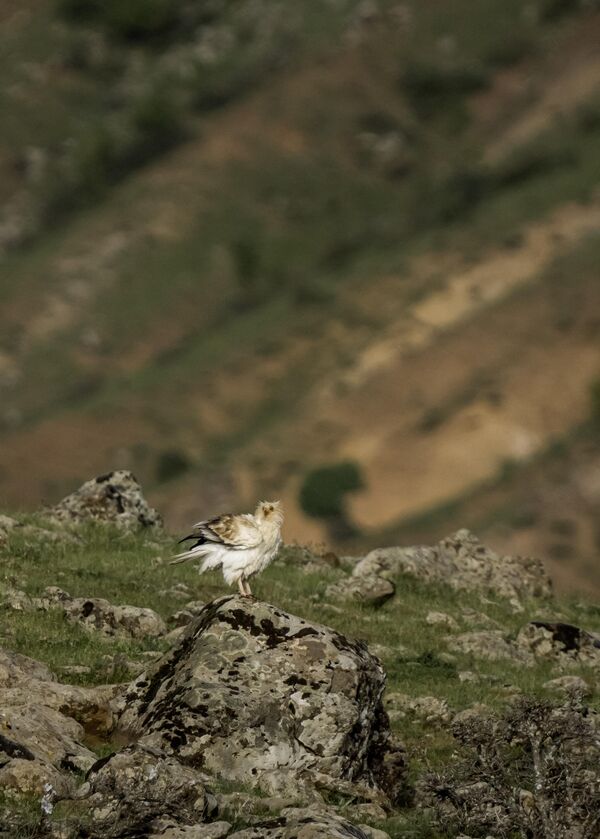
x,y
378,244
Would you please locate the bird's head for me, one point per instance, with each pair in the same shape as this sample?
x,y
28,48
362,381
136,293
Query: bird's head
x,y
271,511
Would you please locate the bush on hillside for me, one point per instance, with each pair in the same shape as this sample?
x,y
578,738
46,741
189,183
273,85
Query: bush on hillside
x,y
323,492
595,403
171,463
130,19
532,773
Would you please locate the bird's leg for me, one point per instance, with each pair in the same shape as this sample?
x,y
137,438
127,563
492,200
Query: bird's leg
x,y
241,587
248,589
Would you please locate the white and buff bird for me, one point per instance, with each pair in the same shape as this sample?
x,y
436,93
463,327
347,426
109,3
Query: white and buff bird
x,y
243,545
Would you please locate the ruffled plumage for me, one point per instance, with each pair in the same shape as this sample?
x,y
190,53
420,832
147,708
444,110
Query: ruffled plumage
x,y
243,545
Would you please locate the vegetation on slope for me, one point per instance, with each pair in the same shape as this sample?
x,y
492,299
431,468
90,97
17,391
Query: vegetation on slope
x,y
216,194
418,654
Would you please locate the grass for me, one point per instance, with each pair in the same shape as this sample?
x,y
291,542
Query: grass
x,y
103,562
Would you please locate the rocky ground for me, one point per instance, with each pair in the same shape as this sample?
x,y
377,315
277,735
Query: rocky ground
x,y
424,691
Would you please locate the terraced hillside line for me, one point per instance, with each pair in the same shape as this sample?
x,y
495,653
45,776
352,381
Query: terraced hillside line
x,y
574,79
469,291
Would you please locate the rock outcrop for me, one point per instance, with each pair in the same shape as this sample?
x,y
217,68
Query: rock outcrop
x,y
301,824
462,562
115,497
42,726
265,698
561,642
93,613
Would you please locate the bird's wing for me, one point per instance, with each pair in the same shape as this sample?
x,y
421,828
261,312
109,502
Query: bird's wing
x,y
237,532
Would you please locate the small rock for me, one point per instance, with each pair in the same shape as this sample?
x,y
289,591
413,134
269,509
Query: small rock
x,y
17,669
383,652
468,676
16,600
75,669
175,634
479,709
478,619
367,810
7,523
370,589
171,830
490,645
373,832
570,685
441,619
428,709
31,776
190,611
180,591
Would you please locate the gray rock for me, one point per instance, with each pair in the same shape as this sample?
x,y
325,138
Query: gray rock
x,y
373,832
561,642
462,562
265,698
31,775
441,619
428,709
45,734
491,645
169,830
43,725
190,611
6,525
115,497
18,601
97,614
127,791
15,669
302,825
370,589
570,685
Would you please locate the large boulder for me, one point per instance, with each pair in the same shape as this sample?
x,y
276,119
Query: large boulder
x,y
265,698
462,562
115,497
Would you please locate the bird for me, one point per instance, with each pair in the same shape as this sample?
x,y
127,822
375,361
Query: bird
x,y
243,544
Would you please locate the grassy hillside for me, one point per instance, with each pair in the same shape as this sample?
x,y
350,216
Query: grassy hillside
x,y
419,657
241,241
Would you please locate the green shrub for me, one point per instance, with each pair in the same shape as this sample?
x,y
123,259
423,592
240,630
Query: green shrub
x,y
323,490
129,19
171,463
595,404
430,87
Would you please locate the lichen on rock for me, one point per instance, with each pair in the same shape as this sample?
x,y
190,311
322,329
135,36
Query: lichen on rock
x,y
115,497
262,697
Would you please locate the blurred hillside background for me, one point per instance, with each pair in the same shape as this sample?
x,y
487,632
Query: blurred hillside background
x,y
341,252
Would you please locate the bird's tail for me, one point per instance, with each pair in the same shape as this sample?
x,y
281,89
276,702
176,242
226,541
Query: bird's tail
x,y
210,561
193,553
